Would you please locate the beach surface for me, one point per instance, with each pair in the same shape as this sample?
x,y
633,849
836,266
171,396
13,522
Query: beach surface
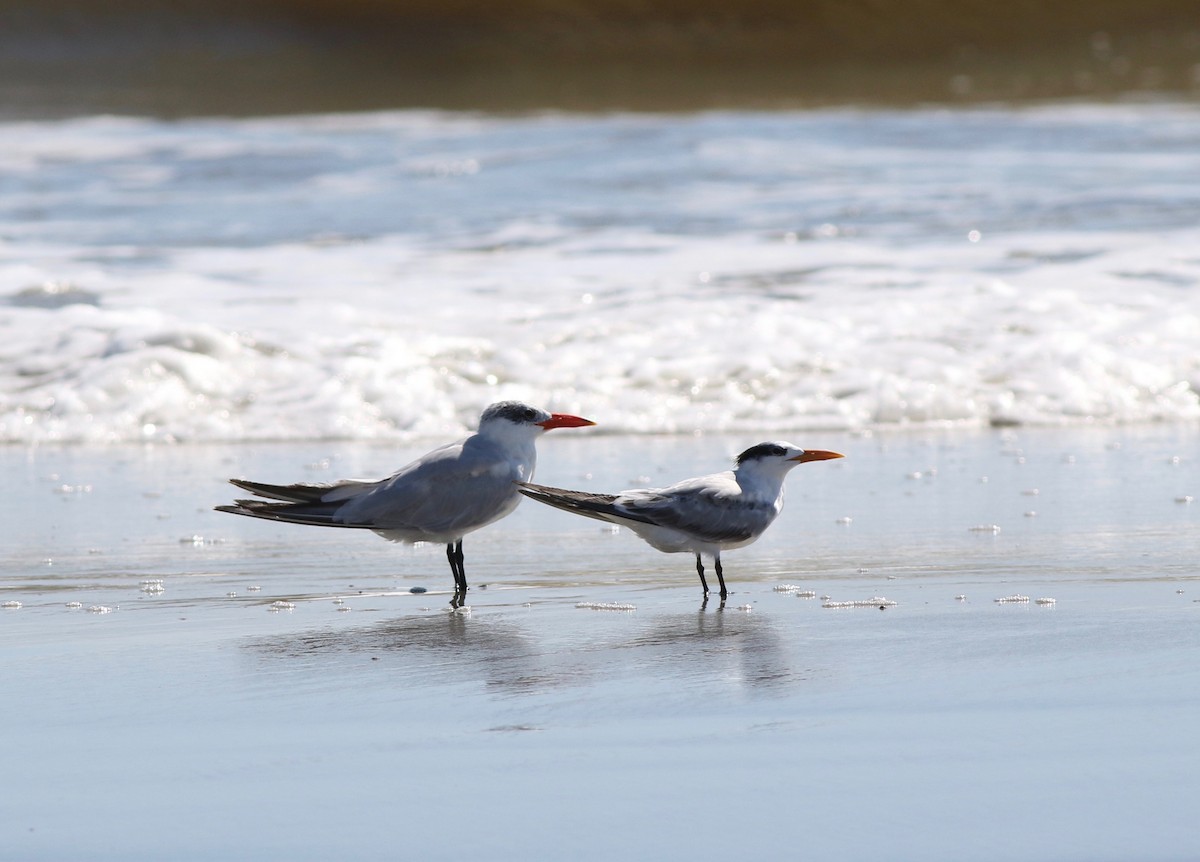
x,y
179,683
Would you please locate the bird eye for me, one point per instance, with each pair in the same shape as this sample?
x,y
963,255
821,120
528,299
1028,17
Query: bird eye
x,y
530,413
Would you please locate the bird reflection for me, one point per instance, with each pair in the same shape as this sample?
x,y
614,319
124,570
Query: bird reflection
x,y
712,648
448,647
716,644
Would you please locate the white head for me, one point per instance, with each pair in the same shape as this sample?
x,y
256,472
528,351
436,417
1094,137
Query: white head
x,y
778,457
504,417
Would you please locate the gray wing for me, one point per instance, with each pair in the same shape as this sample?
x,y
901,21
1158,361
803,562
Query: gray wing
x,y
710,509
457,487
598,506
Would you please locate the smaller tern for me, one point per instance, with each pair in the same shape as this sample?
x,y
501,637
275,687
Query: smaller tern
x,y
440,497
701,516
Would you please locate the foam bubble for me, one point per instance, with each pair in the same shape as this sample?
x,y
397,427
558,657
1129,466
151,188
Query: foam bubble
x,y
876,602
795,589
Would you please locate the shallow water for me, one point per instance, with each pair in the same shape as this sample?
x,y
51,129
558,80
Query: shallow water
x,y
195,723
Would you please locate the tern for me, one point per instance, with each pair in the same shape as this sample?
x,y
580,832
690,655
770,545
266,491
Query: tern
x,y
701,516
440,497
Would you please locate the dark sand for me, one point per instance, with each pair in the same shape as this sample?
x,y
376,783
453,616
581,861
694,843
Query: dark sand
x,y
284,56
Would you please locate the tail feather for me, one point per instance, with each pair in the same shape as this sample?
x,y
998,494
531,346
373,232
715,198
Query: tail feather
x,y
602,507
315,514
293,504
299,493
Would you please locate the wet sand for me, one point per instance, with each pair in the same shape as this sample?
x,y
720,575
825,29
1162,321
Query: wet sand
x,y
197,719
186,58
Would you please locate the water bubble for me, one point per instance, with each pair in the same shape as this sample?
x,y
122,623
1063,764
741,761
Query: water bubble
x,y
874,602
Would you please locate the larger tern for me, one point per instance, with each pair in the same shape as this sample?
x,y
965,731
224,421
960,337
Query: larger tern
x,y
701,516
440,497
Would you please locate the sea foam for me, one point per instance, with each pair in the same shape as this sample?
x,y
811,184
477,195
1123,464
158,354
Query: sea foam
x,y
387,275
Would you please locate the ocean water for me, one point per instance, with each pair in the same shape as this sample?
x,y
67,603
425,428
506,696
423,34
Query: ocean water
x,y
382,276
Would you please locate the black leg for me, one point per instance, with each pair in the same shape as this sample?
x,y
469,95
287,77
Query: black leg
x,y
700,572
453,564
721,577
462,569
454,554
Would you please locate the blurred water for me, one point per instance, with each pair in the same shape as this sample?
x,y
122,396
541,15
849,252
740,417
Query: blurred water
x,y
387,275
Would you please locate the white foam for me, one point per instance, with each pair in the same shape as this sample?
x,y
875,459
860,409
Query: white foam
x,y
876,602
681,293
606,606
795,589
